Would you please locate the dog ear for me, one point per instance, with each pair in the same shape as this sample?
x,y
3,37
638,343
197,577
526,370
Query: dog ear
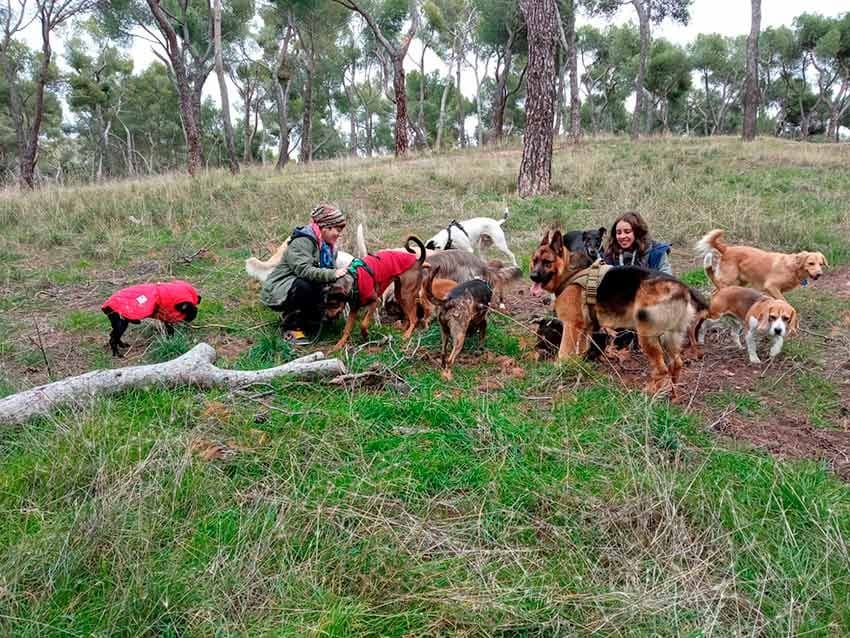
x,y
762,316
602,231
795,322
823,260
556,243
545,240
800,259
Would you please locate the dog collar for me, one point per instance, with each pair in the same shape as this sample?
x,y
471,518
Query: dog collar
x,y
804,283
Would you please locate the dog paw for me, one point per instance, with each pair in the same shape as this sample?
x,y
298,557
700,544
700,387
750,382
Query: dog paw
x,y
755,360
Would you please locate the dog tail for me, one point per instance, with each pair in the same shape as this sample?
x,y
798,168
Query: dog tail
x,y
505,214
257,269
429,286
419,245
362,251
713,241
708,266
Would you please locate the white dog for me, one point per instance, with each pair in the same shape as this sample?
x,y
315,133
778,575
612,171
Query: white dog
x,y
472,235
260,270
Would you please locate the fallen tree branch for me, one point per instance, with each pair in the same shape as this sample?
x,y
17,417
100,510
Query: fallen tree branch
x,y
193,368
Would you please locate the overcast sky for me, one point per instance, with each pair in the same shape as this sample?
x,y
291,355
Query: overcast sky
x,y
727,17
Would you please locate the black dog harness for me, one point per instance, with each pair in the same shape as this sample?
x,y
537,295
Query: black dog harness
x,y
454,222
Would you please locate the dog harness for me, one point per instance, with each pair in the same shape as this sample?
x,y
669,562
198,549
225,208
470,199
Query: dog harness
x,y
454,222
588,279
374,273
158,301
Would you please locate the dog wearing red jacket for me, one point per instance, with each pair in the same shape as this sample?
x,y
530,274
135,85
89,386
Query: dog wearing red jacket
x,y
365,282
170,302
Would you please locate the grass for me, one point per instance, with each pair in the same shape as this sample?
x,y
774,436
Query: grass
x,y
551,502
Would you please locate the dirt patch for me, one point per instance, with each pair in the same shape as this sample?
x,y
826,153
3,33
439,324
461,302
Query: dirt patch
x,y
787,437
835,281
524,307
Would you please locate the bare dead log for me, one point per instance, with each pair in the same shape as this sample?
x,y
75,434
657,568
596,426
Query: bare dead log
x,y
193,368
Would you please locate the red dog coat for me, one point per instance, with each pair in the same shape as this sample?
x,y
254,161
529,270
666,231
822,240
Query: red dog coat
x,y
158,300
386,266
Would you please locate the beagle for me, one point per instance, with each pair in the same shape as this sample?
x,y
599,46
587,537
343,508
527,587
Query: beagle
x,y
756,312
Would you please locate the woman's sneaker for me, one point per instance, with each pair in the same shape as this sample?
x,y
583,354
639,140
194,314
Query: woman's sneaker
x,y
296,338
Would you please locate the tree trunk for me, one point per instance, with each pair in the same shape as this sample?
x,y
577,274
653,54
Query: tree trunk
x,y
560,93
502,89
282,86
400,105
461,132
751,91
307,119
194,368
352,120
535,171
643,20
420,118
30,154
572,62
190,124
441,119
222,85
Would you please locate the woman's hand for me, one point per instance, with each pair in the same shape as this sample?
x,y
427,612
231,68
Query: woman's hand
x,y
339,272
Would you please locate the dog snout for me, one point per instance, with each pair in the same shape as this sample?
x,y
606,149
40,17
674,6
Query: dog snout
x,y
816,276
778,330
537,277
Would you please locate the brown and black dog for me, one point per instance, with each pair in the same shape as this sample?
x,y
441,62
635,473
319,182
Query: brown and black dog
x,y
367,279
658,307
464,310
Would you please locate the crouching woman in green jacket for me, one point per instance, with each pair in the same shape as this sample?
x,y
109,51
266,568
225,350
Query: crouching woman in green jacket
x,y
294,287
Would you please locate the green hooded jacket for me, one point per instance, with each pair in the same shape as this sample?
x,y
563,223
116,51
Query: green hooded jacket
x,y
301,259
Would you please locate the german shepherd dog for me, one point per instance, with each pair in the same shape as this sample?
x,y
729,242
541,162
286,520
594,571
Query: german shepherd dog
x,y
658,307
363,285
462,311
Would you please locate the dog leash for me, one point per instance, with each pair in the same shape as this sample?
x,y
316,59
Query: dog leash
x,y
454,222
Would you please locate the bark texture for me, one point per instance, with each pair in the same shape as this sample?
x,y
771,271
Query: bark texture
x,y
535,171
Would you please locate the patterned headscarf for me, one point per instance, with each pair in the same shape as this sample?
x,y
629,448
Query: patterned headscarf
x,y
327,216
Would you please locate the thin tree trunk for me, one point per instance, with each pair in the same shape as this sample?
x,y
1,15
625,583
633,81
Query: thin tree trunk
x,y
643,20
222,85
30,154
190,124
502,88
307,119
461,133
420,118
352,112
535,172
560,92
283,84
572,63
751,92
441,119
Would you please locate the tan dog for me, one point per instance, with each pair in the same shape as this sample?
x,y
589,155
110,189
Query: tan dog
x,y
774,273
755,312
439,289
659,307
